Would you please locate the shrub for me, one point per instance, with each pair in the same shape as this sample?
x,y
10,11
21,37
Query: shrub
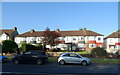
x,y
27,47
39,46
118,54
99,52
9,46
23,47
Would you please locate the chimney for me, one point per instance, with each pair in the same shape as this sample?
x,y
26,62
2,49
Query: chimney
x,y
15,28
80,29
85,29
32,30
57,30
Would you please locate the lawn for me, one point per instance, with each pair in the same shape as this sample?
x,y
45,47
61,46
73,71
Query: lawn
x,y
93,60
82,52
105,60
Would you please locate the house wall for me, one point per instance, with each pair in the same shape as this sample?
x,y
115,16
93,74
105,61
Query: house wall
x,y
15,33
67,39
112,44
4,37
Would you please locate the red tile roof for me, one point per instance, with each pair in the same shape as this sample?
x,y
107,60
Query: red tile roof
x,y
63,33
114,35
6,31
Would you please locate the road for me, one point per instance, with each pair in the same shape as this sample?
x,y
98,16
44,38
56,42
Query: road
x,y
55,68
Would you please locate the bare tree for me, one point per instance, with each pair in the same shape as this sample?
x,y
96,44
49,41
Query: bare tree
x,y
50,37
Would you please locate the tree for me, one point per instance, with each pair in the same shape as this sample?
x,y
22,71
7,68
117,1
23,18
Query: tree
x,y
100,52
50,37
23,47
9,46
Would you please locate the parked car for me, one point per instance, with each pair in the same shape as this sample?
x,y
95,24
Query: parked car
x,y
33,56
3,59
73,58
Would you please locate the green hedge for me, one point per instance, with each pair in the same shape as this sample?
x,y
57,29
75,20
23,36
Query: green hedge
x,y
27,47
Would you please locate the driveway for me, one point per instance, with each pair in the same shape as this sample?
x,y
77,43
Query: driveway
x,y
54,68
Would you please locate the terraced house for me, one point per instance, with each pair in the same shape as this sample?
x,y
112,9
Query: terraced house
x,y
112,42
6,34
82,39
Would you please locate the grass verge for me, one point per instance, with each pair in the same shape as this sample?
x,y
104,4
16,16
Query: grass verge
x,y
94,60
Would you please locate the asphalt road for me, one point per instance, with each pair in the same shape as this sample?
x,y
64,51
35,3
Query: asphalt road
x,y
55,68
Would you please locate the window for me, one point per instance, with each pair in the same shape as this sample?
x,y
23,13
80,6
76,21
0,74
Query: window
x,y
99,39
82,38
28,53
74,38
92,45
73,55
67,55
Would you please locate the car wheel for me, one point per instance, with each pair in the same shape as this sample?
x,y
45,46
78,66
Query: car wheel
x,y
16,61
39,61
61,62
84,63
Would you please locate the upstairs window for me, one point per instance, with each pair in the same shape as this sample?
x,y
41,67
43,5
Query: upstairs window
x,y
82,38
99,39
74,38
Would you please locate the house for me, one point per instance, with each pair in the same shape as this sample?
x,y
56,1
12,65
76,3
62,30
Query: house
x,y
6,34
112,42
82,39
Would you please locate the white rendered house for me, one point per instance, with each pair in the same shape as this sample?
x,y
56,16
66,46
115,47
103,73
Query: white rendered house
x,y
112,42
6,34
79,39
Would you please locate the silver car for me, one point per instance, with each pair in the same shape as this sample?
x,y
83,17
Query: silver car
x,y
73,58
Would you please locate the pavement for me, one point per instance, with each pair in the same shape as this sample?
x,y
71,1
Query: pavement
x,y
55,68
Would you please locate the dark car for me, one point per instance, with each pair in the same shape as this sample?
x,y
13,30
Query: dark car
x,y
3,59
37,57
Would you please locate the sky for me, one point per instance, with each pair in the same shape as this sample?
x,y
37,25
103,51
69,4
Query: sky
x,y
101,17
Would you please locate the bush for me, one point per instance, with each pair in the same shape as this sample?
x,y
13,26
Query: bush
x,y
99,52
39,46
27,47
118,54
9,46
23,47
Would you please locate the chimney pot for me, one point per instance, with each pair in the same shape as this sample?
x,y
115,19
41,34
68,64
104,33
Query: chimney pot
x,y
57,30
85,29
32,30
15,28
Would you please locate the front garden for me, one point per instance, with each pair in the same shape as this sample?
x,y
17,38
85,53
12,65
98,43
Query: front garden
x,y
97,55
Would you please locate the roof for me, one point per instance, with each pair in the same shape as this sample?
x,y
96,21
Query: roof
x,y
63,33
114,35
6,31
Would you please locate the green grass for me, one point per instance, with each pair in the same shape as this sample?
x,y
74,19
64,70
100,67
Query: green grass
x,y
82,52
93,60
52,59
9,58
105,61
97,60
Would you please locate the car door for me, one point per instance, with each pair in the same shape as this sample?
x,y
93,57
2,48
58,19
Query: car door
x,y
66,57
28,57
74,58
